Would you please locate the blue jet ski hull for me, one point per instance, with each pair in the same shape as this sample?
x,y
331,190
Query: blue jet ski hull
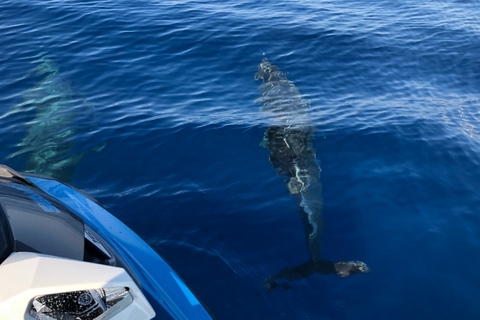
x,y
164,289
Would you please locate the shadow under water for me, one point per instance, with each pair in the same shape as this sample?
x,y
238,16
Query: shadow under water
x,y
290,142
49,139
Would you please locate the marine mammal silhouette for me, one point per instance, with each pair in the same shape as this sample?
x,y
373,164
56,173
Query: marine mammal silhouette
x,y
291,144
50,132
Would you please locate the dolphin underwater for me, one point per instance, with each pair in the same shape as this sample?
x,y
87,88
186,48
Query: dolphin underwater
x,y
291,144
49,138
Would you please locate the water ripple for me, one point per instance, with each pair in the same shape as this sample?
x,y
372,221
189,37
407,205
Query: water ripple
x,y
393,89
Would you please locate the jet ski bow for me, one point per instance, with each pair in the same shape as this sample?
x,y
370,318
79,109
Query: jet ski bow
x,y
64,256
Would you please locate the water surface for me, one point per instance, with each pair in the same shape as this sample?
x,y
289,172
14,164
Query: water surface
x,y
169,86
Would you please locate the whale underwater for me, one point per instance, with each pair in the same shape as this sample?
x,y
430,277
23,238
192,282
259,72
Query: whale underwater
x,y
49,140
290,141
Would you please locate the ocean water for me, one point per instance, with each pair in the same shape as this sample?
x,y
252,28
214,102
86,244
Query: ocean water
x,y
149,106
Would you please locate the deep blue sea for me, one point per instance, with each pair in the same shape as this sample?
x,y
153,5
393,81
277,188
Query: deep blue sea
x,y
149,106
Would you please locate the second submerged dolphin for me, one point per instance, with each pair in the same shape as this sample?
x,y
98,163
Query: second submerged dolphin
x,y
49,138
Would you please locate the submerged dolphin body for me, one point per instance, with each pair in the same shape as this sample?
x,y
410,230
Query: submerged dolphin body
x,y
290,142
49,138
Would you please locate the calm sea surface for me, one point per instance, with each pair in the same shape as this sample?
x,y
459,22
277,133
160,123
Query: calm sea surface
x,y
149,106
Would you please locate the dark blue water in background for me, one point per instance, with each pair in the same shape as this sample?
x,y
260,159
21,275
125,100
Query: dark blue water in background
x,y
169,87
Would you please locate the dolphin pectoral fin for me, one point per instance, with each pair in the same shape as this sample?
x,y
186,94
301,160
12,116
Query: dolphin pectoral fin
x,y
264,143
69,163
18,153
98,148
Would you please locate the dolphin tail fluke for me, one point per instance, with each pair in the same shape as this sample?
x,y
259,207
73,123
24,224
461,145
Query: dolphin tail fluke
x,y
346,268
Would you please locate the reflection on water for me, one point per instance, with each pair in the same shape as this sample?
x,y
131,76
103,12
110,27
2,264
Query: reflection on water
x,y
50,131
292,154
